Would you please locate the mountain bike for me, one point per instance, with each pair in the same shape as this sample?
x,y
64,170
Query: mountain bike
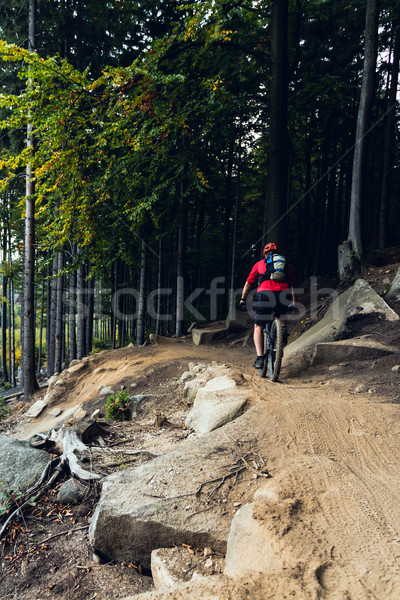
x,y
273,350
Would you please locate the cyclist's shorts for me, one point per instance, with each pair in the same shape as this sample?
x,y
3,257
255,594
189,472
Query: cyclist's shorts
x,y
270,304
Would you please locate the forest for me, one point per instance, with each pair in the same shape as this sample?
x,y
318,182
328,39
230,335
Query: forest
x,y
150,149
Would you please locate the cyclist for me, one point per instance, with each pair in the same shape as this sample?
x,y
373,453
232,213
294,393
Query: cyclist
x,y
273,298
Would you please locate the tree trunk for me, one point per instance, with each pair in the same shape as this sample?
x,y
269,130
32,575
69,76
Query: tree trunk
x,y
30,383
180,282
51,321
363,120
140,333
159,282
90,313
4,370
72,315
389,142
81,314
39,362
278,153
59,314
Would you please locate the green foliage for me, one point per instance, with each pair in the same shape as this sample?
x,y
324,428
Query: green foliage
x,y
11,498
4,408
98,345
118,406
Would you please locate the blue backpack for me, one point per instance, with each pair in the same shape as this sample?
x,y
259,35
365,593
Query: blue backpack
x,y
277,267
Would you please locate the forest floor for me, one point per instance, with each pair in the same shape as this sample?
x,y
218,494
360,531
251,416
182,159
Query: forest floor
x,y
348,414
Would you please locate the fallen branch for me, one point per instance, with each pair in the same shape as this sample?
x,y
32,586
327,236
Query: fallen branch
x,y
56,535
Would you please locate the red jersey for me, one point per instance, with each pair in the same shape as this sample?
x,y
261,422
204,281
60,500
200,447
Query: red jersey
x,y
259,269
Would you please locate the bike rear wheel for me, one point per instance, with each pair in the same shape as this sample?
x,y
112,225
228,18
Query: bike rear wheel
x,y
264,369
276,351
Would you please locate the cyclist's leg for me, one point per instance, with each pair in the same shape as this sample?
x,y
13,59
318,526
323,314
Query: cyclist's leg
x,y
262,313
258,339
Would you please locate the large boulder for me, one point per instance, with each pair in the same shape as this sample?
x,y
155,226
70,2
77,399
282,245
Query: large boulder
x,y
358,301
356,349
20,464
167,500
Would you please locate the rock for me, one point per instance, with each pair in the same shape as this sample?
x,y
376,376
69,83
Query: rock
x,y
185,376
396,369
104,370
80,413
192,386
106,390
161,571
95,414
37,408
214,409
358,300
360,388
208,336
75,368
73,363
136,402
213,587
145,508
354,349
394,291
219,383
20,464
55,412
130,345
253,545
71,492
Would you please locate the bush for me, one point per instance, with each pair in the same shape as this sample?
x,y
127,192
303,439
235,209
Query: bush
x,y
118,406
4,409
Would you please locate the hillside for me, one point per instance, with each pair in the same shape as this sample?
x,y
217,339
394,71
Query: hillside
x,y
330,441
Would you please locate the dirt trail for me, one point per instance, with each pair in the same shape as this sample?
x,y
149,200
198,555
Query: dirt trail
x,y
335,450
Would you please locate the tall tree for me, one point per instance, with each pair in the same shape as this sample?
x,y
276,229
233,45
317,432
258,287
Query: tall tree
x,y
279,142
363,124
29,365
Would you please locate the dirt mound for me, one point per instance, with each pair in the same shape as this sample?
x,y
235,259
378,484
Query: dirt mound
x,y
331,444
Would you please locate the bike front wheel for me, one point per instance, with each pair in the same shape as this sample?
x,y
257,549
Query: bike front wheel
x,y
275,351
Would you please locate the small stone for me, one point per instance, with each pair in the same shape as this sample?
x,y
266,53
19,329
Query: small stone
x,y
396,369
37,408
209,563
207,551
55,412
359,388
106,390
80,413
70,492
95,414
237,504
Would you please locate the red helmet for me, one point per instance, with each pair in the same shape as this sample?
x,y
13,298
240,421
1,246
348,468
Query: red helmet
x,y
269,248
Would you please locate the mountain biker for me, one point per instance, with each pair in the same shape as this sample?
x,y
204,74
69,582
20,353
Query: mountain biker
x,y
273,299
